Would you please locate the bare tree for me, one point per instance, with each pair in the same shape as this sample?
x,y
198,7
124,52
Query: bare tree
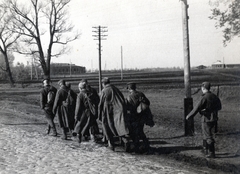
x,y
42,25
7,40
227,16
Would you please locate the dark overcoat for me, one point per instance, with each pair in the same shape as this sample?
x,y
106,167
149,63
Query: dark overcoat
x,y
64,118
112,112
83,115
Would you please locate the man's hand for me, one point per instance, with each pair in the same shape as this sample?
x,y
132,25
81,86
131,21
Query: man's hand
x,y
187,118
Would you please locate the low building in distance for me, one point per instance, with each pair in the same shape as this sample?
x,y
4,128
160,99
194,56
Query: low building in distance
x,y
66,69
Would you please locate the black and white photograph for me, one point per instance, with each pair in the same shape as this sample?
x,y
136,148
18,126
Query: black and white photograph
x,y
119,86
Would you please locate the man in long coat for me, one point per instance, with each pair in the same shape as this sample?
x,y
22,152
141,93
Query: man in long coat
x,y
94,129
83,114
60,110
112,112
70,105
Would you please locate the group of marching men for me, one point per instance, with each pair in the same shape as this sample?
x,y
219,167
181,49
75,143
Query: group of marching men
x,y
79,114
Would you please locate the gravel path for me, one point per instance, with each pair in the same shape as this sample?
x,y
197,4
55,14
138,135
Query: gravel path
x,y
32,152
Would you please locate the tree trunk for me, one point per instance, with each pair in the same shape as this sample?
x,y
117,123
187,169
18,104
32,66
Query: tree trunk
x,y
45,68
8,70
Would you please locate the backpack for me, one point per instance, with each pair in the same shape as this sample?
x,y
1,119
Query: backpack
x,y
142,106
69,100
50,97
89,103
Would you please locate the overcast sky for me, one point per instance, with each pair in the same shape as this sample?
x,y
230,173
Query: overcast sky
x,y
150,33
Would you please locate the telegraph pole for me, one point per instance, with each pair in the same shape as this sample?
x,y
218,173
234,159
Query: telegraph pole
x,y
188,101
121,63
100,31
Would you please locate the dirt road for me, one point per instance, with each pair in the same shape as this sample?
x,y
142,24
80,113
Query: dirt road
x,y
25,148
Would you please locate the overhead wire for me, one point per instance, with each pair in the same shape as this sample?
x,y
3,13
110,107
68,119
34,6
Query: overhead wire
x,y
145,26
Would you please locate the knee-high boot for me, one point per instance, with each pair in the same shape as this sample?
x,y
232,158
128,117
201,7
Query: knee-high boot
x,y
64,136
205,147
48,129
54,133
211,151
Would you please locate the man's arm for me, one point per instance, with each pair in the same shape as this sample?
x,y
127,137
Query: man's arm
x,y
55,105
41,100
100,105
195,110
77,109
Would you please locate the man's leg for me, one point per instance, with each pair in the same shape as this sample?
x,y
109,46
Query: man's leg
x,y
64,132
51,125
144,137
78,131
205,147
134,132
208,136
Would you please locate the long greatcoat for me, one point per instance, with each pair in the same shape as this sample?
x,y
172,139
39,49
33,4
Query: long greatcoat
x,y
112,112
85,119
64,119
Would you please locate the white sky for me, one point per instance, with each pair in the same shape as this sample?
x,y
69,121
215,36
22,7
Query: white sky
x,y
150,33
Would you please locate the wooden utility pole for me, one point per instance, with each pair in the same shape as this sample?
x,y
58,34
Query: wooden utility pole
x,y
100,30
188,101
32,69
121,63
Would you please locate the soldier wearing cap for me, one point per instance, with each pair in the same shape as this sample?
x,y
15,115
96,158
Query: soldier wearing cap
x,y
94,129
138,120
85,113
112,113
60,110
208,107
47,105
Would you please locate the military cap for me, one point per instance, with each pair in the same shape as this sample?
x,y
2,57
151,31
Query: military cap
x,y
206,85
82,85
84,80
68,85
105,80
131,85
47,79
63,82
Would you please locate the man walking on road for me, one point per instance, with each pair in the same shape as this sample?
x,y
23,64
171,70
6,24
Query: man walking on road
x,y
60,110
112,113
70,104
208,107
84,113
94,129
138,120
47,97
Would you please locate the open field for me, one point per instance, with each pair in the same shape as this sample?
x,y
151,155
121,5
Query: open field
x,y
166,92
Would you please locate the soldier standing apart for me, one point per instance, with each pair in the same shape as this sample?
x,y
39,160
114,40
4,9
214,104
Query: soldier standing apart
x,y
84,113
112,113
47,96
138,119
208,107
58,108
